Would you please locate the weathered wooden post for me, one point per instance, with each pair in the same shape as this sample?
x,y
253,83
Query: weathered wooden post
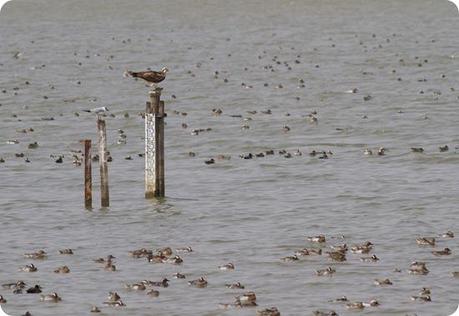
x,y
87,174
154,146
160,157
104,196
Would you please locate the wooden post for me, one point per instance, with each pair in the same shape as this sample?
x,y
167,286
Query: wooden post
x,y
154,146
160,183
104,196
87,174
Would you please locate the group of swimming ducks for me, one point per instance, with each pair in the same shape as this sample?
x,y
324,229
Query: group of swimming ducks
x,y
163,255
321,154
337,253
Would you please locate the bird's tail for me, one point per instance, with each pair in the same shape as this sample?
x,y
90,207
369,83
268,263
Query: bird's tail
x,y
89,111
128,73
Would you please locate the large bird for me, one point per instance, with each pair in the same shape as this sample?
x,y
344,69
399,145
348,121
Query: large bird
x,y
153,77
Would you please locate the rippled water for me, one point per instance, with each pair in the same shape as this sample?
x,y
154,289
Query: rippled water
x,y
249,212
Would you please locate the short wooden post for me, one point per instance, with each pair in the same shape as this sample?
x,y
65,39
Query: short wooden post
x,y
154,146
87,174
104,196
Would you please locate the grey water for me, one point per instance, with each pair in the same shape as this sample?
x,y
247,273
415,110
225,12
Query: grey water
x,y
251,212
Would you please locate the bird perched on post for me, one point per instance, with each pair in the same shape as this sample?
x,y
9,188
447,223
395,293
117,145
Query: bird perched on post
x,y
153,77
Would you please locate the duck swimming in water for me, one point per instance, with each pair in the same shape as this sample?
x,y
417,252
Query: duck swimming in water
x,y
373,258
135,287
425,241
322,313
237,285
448,234
179,275
228,266
66,251
63,269
302,252
340,299
15,285
444,252
314,251
319,238
140,253
367,152
34,290
164,252
174,260
246,298
156,258
383,282
110,267
236,305
355,305
95,309
337,255
272,311
40,254
417,267
113,297
28,268
363,248
163,283
153,293
102,260
371,303
443,148
184,249
423,298
118,303
53,297
340,248
425,291
326,272
290,258
201,282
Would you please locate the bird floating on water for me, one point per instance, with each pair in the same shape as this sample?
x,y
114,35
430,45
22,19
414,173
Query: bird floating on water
x,y
153,77
53,297
273,311
99,110
40,254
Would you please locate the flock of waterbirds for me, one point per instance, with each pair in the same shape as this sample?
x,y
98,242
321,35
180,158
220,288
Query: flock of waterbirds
x,y
320,245
114,300
276,65
76,154
317,245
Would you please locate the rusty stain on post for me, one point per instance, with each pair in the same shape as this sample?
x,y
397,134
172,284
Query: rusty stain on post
x,y
87,174
154,145
104,196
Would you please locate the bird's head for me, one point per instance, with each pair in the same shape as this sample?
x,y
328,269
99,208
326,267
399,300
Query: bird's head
x,y
164,70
